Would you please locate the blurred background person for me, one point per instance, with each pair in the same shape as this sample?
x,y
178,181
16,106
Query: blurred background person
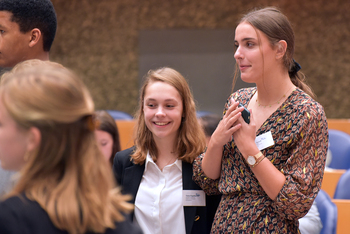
x,y
107,135
209,122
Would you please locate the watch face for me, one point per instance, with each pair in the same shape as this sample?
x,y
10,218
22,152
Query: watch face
x,y
251,160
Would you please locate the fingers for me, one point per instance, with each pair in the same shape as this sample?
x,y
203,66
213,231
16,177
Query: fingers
x,y
232,109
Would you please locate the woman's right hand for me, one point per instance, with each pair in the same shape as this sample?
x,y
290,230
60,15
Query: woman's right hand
x,y
228,125
211,163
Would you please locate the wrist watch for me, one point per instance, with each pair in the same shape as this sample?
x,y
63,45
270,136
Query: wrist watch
x,y
255,160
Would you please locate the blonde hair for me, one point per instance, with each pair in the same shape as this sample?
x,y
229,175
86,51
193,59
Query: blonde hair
x,y
67,174
191,138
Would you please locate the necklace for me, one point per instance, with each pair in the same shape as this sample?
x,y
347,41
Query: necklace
x,y
278,102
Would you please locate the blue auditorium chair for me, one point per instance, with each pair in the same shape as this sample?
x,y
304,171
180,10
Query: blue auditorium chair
x,y
328,213
120,115
339,146
342,191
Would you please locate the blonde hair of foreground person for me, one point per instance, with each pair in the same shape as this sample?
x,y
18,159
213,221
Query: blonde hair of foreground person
x,y
191,139
67,174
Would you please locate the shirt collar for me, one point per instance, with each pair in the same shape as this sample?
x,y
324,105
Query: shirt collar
x,y
149,159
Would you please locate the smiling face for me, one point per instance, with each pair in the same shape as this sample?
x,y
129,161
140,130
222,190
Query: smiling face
x,y
14,45
13,142
162,107
254,54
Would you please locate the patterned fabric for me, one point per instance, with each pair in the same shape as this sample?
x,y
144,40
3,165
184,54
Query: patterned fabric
x,y
299,130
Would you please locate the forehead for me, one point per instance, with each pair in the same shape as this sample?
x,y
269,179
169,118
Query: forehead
x,y
5,19
161,90
245,30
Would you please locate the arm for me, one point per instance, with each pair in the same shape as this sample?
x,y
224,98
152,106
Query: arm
x,y
304,168
299,156
211,163
293,174
269,177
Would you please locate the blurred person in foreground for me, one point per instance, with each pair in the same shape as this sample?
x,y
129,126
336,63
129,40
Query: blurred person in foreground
x,y
47,134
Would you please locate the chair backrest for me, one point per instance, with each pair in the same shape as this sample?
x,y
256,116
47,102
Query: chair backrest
x,y
339,145
119,115
328,213
342,191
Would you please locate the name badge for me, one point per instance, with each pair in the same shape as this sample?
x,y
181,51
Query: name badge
x,y
193,198
264,140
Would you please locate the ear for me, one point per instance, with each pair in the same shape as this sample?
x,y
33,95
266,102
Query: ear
x,y
281,49
34,139
35,36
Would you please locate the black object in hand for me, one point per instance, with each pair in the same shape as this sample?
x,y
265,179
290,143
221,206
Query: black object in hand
x,y
245,114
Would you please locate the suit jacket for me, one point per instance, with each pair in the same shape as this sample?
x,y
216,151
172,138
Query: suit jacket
x,y
18,214
198,219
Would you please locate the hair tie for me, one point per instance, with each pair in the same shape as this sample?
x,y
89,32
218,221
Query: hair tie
x,y
295,68
90,122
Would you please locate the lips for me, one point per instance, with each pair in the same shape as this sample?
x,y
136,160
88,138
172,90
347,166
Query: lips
x,y
243,67
161,123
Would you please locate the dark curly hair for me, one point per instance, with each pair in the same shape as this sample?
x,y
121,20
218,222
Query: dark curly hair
x,y
30,14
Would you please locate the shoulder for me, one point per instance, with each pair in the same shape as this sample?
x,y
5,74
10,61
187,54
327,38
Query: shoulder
x,y
15,204
122,160
123,157
306,105
306,113
13,213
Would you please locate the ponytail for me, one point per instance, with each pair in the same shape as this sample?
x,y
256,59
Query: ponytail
x,y
298,79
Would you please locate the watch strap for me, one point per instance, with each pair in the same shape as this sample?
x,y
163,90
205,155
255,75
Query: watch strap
x,y
259,157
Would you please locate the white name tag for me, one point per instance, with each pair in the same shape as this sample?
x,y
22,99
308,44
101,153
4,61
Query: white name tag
x,y
264,140
193,198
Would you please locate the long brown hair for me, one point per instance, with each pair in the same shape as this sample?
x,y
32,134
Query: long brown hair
x,y
191,140
67,174
276,27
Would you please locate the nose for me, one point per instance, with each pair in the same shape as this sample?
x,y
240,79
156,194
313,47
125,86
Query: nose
x,y
238,54
160,111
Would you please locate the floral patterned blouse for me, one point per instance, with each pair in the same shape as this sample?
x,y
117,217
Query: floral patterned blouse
x,y
300,133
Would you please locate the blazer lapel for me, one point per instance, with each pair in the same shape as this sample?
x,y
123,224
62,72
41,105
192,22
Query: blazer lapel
x,y
188,184
132,180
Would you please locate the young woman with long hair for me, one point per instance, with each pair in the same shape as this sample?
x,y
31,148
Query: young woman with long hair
x,y
157,171
269,170
64,184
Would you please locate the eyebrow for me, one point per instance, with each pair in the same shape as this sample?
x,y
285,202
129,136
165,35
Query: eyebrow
x,y
167,100
247,39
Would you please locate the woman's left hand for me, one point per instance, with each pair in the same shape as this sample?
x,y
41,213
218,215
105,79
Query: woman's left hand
x,y
245,136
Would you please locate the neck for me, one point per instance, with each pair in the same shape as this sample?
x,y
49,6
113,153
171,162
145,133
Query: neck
x,y
272,89
43,56
166,153
165,146
39,54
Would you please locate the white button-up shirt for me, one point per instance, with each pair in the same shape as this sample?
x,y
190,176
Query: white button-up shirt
x,y
158,203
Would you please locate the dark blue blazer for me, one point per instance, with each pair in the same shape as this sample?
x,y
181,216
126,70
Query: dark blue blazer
x,y
198,219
